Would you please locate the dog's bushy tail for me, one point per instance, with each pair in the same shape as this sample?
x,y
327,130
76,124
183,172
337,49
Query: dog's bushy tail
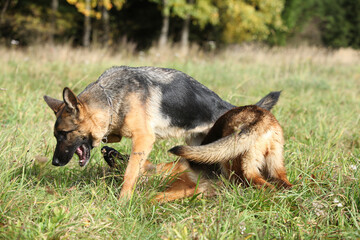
x,y
269,101
229,147
219,151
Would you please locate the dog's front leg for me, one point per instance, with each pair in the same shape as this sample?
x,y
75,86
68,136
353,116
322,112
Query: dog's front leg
x,y
142,145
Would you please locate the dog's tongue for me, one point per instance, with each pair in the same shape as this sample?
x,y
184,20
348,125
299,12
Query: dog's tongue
x,y
80,151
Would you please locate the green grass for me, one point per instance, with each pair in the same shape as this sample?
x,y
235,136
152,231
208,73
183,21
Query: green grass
x,y
319,110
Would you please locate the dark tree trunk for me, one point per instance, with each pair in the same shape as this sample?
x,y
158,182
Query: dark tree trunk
x,y
106,24
54,9
3,10
165,26
185,33
186,30
96,29
87,24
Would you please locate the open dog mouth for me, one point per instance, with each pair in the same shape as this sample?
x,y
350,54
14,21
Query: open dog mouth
x,y
83,152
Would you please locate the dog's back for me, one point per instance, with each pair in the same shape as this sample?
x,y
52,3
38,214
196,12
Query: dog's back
x,y
246,143
176,104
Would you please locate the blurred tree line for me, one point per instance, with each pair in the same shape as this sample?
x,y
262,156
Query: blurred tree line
x,y
145,22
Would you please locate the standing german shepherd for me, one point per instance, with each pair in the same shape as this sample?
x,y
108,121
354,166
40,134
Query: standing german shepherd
x,y
143,103
245,144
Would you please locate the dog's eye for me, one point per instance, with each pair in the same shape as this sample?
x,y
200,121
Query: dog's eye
x,y
61,135
65,132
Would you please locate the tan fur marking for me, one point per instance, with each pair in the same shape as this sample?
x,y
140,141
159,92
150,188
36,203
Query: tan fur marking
x,y
136,125
282,179
96,122
259,149
177,190
184,183
183,186
258,181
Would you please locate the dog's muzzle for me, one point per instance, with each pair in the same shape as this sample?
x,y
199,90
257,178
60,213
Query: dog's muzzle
x,y
56,162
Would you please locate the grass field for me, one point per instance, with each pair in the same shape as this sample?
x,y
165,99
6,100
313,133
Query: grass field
x,y
319,110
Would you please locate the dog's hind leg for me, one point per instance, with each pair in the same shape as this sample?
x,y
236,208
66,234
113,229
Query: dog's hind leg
x,y
178,189
258,181
252,161
275,167
183,186
183,182
278,174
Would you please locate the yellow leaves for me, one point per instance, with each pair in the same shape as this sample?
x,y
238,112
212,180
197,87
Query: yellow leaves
x,y
107,4
242,20
206,12
118,4
93,7
250,20
180,8
201,11
97,15
72,2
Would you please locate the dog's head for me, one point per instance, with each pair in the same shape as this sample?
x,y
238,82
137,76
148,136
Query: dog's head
x,y
73,130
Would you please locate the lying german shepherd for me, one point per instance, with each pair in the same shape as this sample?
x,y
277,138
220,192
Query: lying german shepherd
x,y
144,104
245,145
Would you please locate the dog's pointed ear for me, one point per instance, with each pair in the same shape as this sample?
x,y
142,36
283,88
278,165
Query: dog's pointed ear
x,y
53,103
70,99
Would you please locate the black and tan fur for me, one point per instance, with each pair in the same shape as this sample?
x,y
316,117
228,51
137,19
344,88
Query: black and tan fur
x,y
144,104
244,145
182,180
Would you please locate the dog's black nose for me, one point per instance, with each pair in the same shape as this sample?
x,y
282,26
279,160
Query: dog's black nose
x,y
56,162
